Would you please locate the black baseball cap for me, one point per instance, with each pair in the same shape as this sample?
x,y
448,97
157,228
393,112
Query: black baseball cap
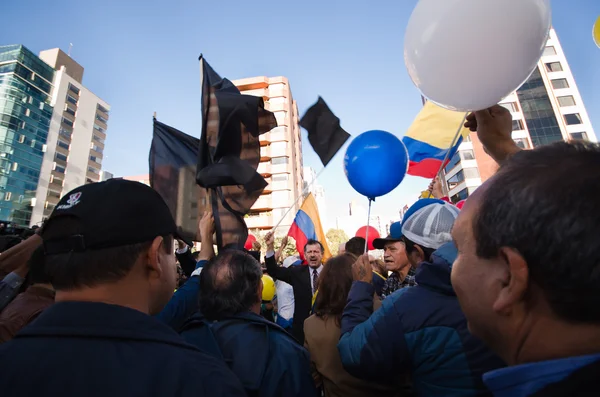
x,y
109,214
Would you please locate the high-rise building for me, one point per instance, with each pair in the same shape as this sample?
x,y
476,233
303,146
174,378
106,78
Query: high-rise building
x,y
51,135
280,155
76,136
311,185
25,114
546,108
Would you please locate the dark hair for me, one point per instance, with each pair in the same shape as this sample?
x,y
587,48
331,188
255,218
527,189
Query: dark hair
x,y
89,268
543,203
229,284
314,242
37,268
196,255
356,246
334,284
410,247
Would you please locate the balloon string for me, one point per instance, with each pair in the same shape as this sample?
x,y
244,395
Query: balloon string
x,y
454,142
368,223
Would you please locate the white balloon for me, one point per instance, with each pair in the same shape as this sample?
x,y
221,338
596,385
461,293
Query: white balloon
x,y
470,54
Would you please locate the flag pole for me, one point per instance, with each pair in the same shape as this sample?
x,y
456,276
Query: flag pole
x,y
454,141
298,198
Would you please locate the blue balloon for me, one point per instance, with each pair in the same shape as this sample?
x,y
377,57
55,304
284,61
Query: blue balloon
x,y
375,163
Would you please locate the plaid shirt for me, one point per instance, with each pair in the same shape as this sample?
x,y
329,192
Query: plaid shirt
x,y
393,283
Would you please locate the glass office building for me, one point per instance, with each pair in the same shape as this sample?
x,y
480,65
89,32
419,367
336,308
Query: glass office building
x,y
25,114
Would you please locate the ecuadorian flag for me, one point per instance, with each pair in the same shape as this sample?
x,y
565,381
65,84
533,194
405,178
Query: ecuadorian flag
x,y
429,139
307,226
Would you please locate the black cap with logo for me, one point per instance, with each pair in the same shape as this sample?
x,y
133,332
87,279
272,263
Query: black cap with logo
x,y
109,214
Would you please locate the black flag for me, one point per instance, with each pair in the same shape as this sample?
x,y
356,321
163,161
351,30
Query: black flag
x,y
173,157
229,153
325,134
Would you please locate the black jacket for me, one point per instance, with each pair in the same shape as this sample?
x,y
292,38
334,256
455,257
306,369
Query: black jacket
x,y
299,278
96,349
583,382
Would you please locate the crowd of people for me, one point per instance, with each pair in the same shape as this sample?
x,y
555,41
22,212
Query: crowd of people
x,y
498,298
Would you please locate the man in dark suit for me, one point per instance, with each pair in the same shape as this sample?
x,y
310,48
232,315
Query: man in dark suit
x,y
303,279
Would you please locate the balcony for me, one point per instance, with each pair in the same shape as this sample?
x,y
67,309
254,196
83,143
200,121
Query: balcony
x,y
265,153
278,107
269,187
264,169
251,83
260,92
264,203
259,222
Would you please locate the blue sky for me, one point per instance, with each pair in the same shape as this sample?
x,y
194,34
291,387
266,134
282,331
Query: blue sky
x,y
141,57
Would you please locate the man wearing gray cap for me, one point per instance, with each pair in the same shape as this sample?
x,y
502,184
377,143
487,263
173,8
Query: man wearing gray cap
x,y
420,330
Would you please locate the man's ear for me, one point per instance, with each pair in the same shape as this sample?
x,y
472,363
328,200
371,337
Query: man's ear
x,y
515,281
153,264
421,253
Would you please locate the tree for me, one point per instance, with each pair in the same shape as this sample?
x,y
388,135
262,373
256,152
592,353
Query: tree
x,y
335,237
289,250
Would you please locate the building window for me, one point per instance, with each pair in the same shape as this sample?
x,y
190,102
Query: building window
x,y
59,169
102,119
467,155
279,160
70,111
456,179
60,156
98,128
67,121
93,170
471,173
558,84
549,50
64,132
52,193
21,138
98,139
96,148
522,143
63,144
102,109
462,195
280,178
7,196
554,67
74,89
572,119
453,161
96,159
567,100
579,136
15,166
511,106
71,99
517,125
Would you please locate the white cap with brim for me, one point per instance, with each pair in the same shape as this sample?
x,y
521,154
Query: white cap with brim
x,y
430,226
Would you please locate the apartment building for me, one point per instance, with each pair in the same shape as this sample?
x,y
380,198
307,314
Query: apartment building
x,y
76,135
280,155
546,108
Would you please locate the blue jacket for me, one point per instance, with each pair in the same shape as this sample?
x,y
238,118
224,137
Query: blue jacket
x,y
419,330
268,361
184,302
95,349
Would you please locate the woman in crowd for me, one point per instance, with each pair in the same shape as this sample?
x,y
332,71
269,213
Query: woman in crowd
x,y
322,332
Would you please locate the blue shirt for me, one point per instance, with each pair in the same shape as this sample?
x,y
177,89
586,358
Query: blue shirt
x,y
9,288
526,379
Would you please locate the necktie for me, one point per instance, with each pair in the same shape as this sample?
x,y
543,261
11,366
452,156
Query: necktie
x,y
315,278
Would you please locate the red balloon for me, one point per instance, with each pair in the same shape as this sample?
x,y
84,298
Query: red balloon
x,y
460,204
373,234
249,241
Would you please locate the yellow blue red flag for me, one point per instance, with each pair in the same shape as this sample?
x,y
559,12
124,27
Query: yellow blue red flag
x,y
429,139
307,226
